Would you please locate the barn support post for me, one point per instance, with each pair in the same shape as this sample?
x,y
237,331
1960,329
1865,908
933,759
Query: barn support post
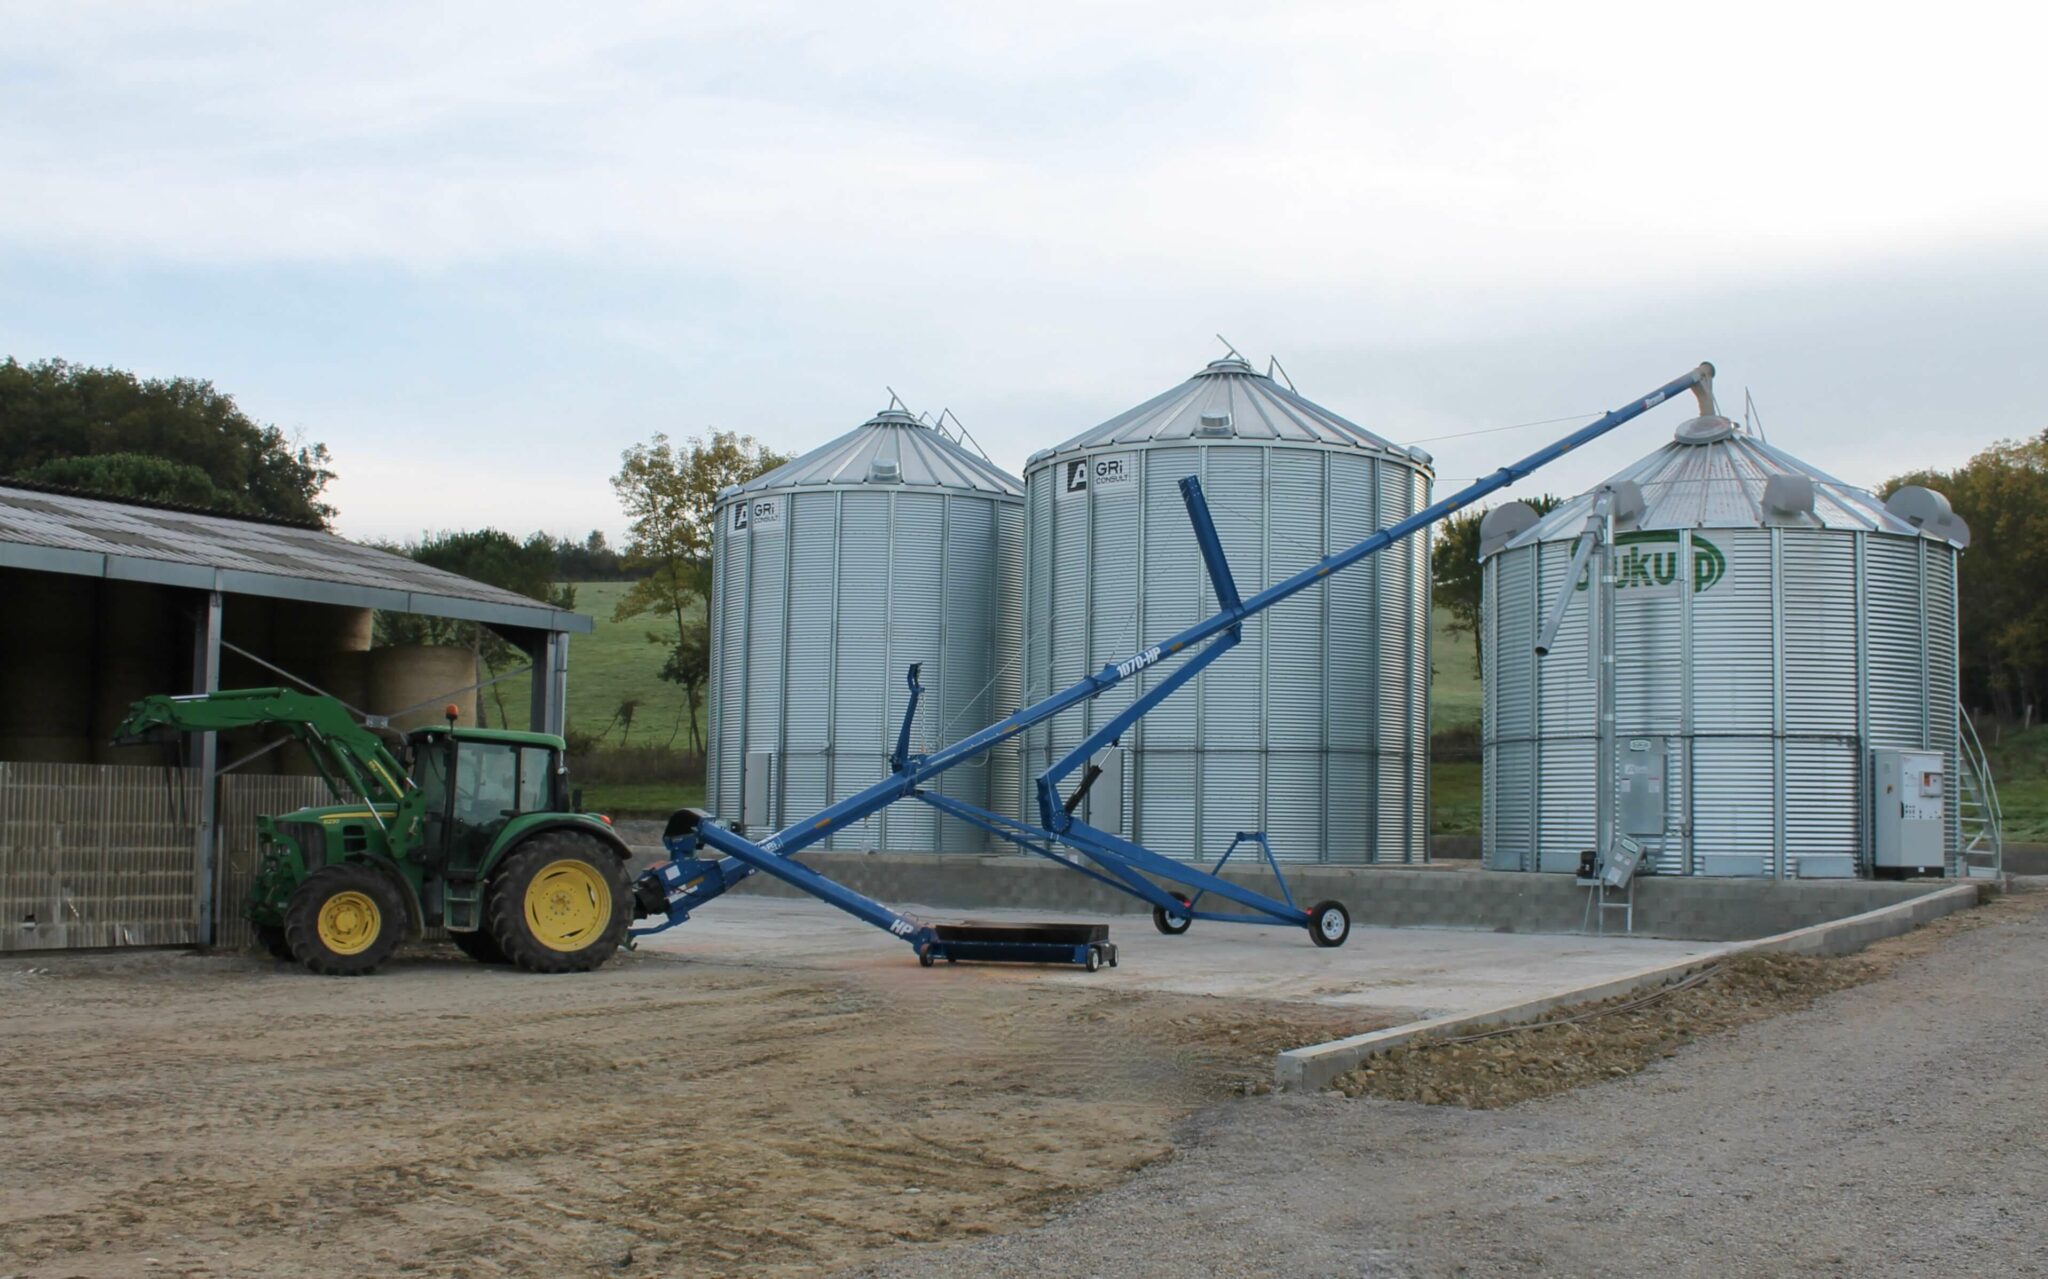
x,y
206,844
548,711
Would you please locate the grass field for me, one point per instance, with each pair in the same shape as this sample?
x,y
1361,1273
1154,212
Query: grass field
x,y
2019,768
1454,693
606,667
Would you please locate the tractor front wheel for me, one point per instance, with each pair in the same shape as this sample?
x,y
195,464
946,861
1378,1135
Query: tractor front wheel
x,y
560,903
344,920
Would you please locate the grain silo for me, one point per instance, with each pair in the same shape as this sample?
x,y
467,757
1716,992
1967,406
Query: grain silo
x,y
890,545
1783,654
1316,730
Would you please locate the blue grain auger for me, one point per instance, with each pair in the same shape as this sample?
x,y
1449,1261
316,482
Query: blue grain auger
x,y
706,859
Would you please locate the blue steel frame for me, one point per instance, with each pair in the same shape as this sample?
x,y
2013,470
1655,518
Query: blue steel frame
x,y
687,880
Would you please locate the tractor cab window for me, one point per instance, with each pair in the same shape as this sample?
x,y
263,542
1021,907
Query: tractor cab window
x,y
430,772
486,783
536,779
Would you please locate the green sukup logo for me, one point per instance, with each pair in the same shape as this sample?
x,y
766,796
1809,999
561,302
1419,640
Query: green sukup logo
x,y
1649,560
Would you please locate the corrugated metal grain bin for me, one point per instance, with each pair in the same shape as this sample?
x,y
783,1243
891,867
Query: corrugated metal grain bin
x,y
890,545
1316,729
1773,630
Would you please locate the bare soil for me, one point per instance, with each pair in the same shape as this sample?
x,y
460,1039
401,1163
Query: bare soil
x,y
1592,1043
168,1114
1896,1128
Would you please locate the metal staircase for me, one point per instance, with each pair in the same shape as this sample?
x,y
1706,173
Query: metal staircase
x,y
1980,847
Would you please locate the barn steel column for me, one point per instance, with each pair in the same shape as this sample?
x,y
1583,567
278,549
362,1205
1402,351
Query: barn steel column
x,y
549,653
205,850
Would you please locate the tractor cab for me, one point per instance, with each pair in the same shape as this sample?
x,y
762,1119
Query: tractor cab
x,y
475,780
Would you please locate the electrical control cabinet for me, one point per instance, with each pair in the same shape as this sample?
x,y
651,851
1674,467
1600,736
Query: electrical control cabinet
x,y
1910,816
1641,786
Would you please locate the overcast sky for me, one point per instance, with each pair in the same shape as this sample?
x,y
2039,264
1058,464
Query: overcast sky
x,y
478,249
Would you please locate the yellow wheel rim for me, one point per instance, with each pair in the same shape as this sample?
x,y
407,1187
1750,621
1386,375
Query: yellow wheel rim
x,y
568,904
349,923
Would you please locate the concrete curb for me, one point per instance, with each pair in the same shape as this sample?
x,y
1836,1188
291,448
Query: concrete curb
x,y
1318,1065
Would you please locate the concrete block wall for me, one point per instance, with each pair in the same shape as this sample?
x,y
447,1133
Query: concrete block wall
x,y
1693,908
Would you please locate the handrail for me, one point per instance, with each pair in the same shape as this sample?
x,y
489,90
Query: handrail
x,y
1977,769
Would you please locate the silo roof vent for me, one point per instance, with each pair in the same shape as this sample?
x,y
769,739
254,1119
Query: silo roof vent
x,y
1704,430
891,447
1229,399
1929,512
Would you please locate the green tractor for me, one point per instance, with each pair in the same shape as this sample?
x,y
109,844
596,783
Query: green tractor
x,y
478,837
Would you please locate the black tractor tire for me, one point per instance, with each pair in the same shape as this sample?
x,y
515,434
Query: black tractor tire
x,y
271,937
1329,924
344,920
559,903
1171,925
479,945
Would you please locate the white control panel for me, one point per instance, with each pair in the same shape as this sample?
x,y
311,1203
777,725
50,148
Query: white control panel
x,y
1909,802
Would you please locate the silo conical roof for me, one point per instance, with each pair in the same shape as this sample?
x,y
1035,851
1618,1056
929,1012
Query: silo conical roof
x,y
921,458
1229,400
1714,474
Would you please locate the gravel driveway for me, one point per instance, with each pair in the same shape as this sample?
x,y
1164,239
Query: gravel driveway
x,y
1895,1128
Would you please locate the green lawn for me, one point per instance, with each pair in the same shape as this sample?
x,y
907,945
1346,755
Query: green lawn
x,y
606,667
1455,697
642,799
2019,768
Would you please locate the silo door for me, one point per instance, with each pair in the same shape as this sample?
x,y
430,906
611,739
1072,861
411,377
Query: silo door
x,y
1105,804
756,816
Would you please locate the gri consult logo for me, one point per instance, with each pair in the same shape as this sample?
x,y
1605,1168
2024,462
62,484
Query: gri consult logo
x,y
1649,561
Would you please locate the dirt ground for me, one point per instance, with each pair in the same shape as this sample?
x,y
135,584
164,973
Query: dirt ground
x,y
171,1114
1593,1043
1896,1127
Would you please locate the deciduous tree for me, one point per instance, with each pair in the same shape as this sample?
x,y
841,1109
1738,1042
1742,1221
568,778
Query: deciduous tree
x,y
2001,604
52,412
1459,577
670,492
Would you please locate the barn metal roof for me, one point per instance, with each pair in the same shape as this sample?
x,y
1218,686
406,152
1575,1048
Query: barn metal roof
x,y
62,532
922,458
1229,400
1713,475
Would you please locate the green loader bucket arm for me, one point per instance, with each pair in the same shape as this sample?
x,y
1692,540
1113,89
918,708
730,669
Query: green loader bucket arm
x,y
343,750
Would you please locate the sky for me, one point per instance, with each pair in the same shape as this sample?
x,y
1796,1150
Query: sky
x,y
479,249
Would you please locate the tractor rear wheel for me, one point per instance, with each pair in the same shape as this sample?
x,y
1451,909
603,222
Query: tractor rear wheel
x,y
479,945
344,920
559,903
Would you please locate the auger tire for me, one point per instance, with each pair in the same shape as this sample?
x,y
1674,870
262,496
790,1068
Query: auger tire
x,y
560,903
1329,924
1172,925
344,920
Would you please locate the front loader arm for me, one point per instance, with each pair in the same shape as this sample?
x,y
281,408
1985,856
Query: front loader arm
x,y
346,751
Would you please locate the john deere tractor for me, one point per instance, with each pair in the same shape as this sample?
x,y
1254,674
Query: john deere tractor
x,y
477,836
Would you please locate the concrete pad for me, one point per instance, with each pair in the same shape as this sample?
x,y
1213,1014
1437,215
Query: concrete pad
x,y
1414,973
